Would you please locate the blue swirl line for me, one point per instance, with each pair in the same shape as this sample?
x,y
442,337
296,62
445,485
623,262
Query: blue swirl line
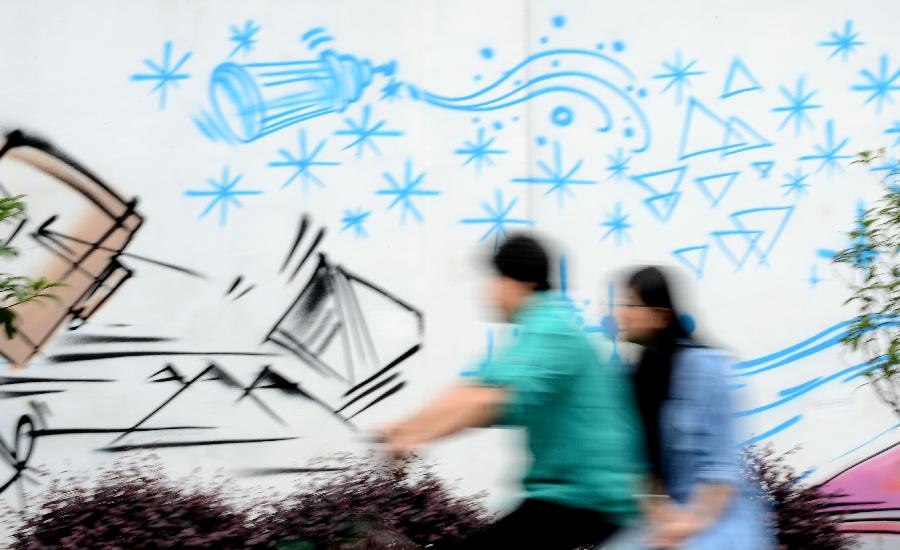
x,y
442,102
864,443
765,435
535,57
781,353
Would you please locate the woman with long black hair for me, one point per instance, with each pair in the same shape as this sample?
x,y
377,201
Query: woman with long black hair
x,y
698,497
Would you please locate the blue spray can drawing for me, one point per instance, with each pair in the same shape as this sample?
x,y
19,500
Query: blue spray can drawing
x,y
252,100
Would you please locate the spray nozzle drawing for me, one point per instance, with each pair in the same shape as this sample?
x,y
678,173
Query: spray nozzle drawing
x,y
252,100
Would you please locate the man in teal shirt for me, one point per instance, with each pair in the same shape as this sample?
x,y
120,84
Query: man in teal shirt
x,y
582,432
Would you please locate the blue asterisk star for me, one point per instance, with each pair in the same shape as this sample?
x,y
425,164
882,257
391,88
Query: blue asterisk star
x,y
843,42
365,134
795,185
355,220
303,162
814,278
223,193
881,86
618,163
895,129
799,104
617,222
678,75
166,74
498,218
404,193
244,37
479,151
391,90
890,167
558,178
828,153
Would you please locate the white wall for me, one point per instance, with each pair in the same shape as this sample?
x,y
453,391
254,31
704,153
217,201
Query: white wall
x,y
68,76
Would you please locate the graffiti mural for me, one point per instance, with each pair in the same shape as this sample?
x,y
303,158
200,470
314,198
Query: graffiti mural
x,y
268,240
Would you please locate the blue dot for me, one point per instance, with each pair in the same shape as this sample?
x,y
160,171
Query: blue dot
x,y
487,53
688,322
586,302
541,141
476,120
477,77
559,21
517,83
618,46
555,63
629,88
601,46
562,116
629,132
498,125
544,40
515,119
642,92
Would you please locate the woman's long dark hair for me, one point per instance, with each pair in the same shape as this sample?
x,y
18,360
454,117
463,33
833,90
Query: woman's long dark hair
x,y
653,376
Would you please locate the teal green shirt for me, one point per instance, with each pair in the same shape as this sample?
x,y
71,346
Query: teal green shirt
x,y
582,431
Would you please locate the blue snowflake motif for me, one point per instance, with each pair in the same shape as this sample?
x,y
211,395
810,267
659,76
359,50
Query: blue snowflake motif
x,y
796,184
895,129
391,90
498,218
827,154
799,103
303,162
165,73
618,164
814,278
678,75
617,224
403,193
843,43
881,85
354,219
558,178
479,151
223,194
890,167
244,37
366,134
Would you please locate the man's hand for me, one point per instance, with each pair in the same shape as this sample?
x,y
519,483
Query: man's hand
x,y
671,526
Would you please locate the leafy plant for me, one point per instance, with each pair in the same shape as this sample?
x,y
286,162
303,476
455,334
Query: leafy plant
x,y
802,515
367,505
873,253
15,289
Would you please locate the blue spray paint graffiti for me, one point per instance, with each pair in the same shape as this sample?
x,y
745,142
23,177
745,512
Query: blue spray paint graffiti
x,y
245,38
617,225
842,42
739,80
497,218
798,105
693,258
479,151
716,186
558,177
678,76
165,73
303,162
662,204
828,153
223,194
880,85
403,192
365,131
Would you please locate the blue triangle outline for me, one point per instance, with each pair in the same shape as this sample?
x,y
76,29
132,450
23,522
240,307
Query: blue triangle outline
x,y
673,197
693,103
764,172
640,179
776,236
745,129
700,266
751,236
714,200
737,64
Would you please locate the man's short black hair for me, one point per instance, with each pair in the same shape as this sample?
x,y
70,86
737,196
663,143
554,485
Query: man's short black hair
x,y
524,258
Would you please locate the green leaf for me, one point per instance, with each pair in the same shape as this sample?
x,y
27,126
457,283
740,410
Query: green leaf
x,y
8,320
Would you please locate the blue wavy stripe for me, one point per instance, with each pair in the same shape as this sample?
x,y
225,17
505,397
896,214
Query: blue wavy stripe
x,y
779,428
866,442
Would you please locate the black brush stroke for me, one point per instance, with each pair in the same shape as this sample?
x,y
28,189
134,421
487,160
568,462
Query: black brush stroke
x,y
173,374
9,380
848,468
338,285
244,293
304,224
49,234
74,357
364,329
87,431
113,339
329,338
403,357
380,398
870,532
369,391
839,512
260,472
861,520
312,248
297,301
278,382
234,285
308,356
327,319
181,444
17,394
119,325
